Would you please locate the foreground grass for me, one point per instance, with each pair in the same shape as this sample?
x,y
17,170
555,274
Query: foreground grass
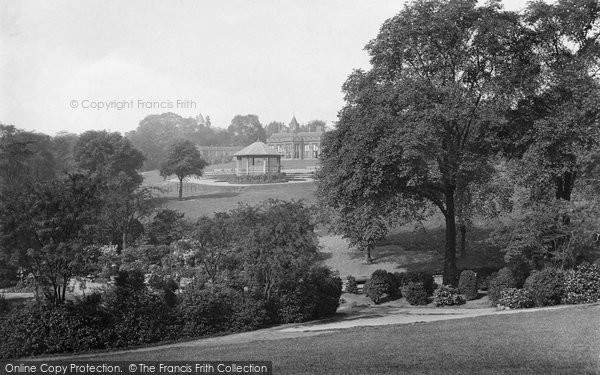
x,y
560,341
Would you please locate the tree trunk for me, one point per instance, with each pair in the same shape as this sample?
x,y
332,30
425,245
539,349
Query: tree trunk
x,y
124,240
368,258
180,188
463,240
450,253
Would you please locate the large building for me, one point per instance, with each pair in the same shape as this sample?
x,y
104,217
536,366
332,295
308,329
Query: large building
x,y
291,143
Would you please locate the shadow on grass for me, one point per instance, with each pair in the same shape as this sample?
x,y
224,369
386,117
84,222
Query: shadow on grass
x,y
414,244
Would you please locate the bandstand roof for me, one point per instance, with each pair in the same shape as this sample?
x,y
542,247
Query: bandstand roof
x,y
257,149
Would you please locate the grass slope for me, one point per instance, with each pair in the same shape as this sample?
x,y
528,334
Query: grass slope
x,y
544,342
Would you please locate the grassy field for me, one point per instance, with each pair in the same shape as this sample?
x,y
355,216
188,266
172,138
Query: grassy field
x,y
201,200
561,341
411,247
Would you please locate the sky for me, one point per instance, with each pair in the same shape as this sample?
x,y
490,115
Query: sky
x,y
105,65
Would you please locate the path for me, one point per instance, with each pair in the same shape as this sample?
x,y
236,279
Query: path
x,y
209,182
347,317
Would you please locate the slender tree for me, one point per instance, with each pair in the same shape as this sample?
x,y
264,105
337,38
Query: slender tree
x,y
183,160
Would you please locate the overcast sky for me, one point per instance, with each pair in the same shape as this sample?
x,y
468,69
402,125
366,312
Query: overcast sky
x,y
273,58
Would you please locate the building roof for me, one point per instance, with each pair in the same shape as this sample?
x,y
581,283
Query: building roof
x,y
257,149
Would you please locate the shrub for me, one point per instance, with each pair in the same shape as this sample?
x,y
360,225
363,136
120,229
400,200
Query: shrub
x,y
467,284
258,179
546,286
520,269
403,278
139,316
314,296
351,286
4,305
381,283
446,295
37,329
583,284
206,309
415,294
504,279
515,298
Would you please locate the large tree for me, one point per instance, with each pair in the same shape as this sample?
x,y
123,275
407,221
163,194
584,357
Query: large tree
x,y
182,160
47,229
108,155
246,129
554,128
418,125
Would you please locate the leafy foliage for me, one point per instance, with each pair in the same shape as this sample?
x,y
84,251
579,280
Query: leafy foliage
x,y
582,285
246,129
546,286
467,284
417,125
182,160
351,286
49,228
446,295
514,298
381,283
415,293
504,279
425,278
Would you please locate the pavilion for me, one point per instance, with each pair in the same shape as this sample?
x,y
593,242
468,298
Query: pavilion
x,y
257,159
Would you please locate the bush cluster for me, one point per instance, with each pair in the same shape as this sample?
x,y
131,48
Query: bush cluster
x,y
446,295
381,283
131,313
582,285
546,286
467,284
515,298
425,278
503,280
351,286
415,294
258,179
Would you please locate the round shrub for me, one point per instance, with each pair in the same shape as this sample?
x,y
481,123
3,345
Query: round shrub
x,y
206,310
314,296
546,286
515,298
446,295
381,283
504,279
467,284
583,284
425,278
351,286
415,294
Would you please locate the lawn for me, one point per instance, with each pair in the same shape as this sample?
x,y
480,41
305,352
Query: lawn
x,y
201,200
559,341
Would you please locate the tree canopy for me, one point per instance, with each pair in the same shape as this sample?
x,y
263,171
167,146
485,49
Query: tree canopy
x,y
420,123
246,129
183,159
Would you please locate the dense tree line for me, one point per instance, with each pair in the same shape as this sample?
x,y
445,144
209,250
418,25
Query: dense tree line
x,y
467,104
